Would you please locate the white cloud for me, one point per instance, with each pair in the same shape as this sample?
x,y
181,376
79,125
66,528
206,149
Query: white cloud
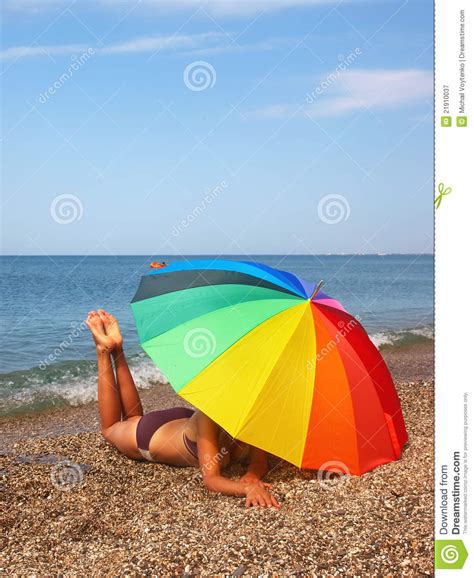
x,y
35,50
154,43
270,44
378,89
225,8
357,89
197,44
239,8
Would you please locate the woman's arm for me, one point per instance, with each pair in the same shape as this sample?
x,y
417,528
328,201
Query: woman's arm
x,y
257,468
210,458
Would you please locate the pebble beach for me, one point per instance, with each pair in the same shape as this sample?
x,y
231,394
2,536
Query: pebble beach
x,y
72,505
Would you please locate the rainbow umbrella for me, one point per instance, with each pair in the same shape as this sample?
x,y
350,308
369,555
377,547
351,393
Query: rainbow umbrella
x,y
274,361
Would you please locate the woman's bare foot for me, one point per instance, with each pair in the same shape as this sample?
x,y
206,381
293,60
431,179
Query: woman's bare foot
x,y
103,343
111,328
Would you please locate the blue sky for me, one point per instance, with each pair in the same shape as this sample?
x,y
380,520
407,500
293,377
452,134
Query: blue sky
x,y
307,127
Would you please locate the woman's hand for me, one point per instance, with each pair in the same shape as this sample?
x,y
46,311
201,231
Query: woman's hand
x,y
255,491
256,494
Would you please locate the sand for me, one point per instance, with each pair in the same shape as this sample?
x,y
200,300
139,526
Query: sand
x,y
75,506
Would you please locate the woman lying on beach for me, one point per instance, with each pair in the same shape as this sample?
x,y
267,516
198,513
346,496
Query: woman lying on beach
x,y
177,436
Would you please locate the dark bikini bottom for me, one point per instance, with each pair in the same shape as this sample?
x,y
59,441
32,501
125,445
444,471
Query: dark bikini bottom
x,y
151,423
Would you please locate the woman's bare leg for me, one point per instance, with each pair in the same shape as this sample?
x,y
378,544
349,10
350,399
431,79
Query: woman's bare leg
x,y
110,406
131,404
121,434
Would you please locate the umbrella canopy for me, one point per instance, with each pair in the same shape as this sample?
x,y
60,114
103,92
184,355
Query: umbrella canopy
x,y
274,361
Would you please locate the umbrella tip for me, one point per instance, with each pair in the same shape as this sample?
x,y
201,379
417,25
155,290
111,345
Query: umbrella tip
x,y
316,290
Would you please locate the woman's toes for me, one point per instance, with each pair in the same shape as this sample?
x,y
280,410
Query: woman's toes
x,y
92,316
103,342
95,324
103,316
112,328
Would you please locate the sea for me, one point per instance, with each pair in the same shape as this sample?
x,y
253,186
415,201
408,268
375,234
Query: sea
x,y
47,353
